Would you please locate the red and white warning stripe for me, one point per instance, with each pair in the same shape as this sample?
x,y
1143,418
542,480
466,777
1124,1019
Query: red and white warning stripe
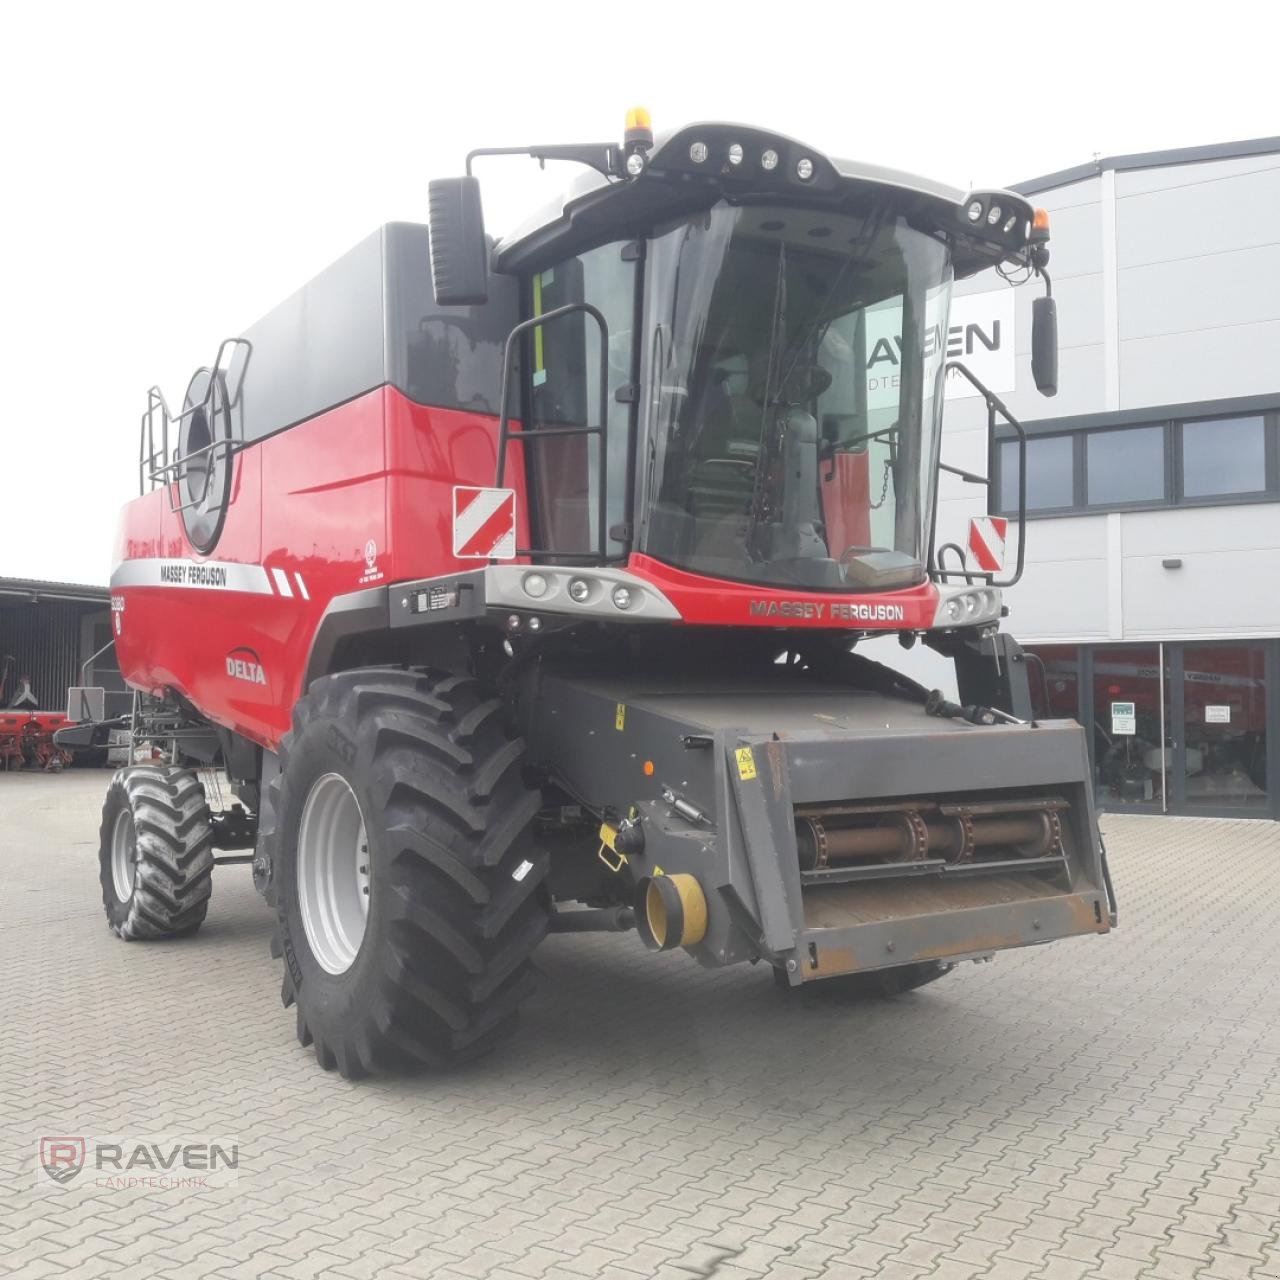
x,y
484,523
987,535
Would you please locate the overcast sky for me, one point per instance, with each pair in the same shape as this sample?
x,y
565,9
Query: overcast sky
x,y
171,172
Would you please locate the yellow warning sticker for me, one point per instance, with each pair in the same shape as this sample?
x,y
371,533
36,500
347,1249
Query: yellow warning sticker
x,y
746,763
609,836
620,717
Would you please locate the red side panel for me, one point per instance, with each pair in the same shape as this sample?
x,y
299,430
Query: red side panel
x,y
355,498
712,602
324,533
178,637
147,622
428,452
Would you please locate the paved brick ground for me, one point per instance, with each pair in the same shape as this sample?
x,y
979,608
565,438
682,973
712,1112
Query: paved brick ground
x,y
1100,1107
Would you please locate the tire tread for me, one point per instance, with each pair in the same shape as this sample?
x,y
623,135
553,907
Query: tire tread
x,y
173,871
453,812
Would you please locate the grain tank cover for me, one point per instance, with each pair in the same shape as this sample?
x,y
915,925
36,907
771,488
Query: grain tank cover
x,y
367,320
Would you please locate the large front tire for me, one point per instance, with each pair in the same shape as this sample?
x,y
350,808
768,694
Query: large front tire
x,y
408,893
155,853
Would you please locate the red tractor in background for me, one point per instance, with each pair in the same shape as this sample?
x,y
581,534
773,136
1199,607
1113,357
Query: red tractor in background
x,y
26,733
518,586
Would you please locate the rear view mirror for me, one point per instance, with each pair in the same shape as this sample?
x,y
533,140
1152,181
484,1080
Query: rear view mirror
x,y
1044,345
459,251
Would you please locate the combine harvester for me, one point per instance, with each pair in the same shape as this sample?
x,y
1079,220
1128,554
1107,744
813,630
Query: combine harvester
x,y
519,586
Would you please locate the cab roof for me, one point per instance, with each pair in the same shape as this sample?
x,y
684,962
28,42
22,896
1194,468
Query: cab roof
x,y
596,207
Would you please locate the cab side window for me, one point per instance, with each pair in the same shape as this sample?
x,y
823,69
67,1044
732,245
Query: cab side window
x,y
564,389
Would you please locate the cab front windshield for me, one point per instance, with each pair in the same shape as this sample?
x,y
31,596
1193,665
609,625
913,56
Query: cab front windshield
x,y
794,372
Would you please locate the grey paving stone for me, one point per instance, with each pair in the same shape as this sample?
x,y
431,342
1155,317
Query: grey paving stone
x,y
1107,1109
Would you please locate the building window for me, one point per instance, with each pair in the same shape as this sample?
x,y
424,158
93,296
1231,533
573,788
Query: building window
x,y
1223,456
1187,462
1124,466
1187,728
1050,473
1225,725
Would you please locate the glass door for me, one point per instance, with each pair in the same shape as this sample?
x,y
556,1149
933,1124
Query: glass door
x,y
1223,717
1132,755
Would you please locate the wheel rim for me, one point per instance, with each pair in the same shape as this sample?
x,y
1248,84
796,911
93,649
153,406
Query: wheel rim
x,y
333,873
122,855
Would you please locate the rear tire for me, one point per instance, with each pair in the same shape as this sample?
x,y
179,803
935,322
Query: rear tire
x,y
155,853
401,788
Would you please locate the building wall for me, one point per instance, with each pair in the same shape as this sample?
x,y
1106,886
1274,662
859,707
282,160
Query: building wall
x,y
1166,281
1198,249
45,639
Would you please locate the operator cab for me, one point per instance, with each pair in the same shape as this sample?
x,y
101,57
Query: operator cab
x,y
733,353
776,458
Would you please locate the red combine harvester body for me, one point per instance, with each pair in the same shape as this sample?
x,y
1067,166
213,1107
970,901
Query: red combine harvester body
x,y
278,566
362,494
518,587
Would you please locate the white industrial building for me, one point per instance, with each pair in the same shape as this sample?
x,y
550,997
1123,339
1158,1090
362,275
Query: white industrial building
x,y
1153,536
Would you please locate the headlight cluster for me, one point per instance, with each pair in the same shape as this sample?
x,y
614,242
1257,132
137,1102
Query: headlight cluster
x,y
581,588
977,604
997,214
564,595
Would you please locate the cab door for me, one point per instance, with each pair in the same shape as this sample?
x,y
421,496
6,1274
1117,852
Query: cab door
x,y
562,392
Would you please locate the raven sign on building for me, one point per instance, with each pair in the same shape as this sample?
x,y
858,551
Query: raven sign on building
x,y
979,333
